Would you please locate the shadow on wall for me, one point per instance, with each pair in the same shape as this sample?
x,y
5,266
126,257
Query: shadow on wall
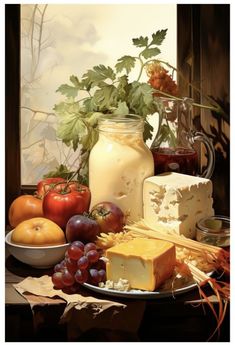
x,y
221,175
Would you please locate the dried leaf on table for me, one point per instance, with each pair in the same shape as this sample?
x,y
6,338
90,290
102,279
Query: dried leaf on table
x,y
43,287
83,311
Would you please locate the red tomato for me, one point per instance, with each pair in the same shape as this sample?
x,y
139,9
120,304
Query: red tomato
x,y
47,184
59,206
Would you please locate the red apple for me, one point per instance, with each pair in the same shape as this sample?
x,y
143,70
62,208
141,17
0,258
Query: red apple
x,y
109,216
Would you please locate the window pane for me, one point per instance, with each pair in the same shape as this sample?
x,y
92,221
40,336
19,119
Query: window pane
x,y
58,41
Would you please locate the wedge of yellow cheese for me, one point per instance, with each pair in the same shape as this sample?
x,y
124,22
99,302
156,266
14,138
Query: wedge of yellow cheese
x,y
145,263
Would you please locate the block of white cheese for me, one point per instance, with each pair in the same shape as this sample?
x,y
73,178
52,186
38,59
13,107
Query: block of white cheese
x,y
175,202
145,263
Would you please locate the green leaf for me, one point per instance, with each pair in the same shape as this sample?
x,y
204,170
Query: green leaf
x,y
140,99
67,90
123,87
105,97
158,37
66,107
86,82
89,140
71,127
89,105
148,130
74,80
122,109
72,132
122,82
98,74
60,171
140,42
126,62
92,118
105,72
150,52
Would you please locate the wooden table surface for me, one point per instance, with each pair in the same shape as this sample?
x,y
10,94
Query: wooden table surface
x,y
165,319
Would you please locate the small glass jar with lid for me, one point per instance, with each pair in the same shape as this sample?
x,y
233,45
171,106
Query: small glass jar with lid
x,y
214,230
118,164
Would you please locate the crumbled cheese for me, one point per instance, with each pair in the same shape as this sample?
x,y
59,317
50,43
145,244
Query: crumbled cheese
x,y
121,285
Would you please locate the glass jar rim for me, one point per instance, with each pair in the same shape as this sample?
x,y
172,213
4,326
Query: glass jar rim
x,y
130,122
201,226
120,118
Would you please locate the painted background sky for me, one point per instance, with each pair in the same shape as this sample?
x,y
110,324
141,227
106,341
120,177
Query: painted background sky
x,y
73,39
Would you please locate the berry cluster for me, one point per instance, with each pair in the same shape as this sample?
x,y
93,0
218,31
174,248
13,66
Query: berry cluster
x,y
160,80
82,263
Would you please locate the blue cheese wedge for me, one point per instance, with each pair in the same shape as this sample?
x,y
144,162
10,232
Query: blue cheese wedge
x,y
145,263
175,202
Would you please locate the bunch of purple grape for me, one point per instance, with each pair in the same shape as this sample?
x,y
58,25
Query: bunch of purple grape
x,y
82,264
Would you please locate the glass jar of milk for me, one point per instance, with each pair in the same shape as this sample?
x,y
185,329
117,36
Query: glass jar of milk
x,y
118,164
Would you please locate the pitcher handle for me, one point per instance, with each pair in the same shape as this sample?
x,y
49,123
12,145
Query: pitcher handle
x,y
198,136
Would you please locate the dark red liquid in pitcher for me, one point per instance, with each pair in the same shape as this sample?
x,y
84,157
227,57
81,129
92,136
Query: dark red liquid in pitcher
x,y
182,160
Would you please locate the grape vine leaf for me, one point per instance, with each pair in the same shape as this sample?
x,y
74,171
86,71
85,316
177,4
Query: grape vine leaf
x,y
122,109
123,87
97,75
68,107
71,127
148,130
92,118
60,171
68,90
89,105
75,81
150,52
105,97
140,98
140,42
158,37
126,62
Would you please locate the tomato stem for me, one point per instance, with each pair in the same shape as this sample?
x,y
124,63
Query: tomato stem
x,y
68,181
65,189
100,211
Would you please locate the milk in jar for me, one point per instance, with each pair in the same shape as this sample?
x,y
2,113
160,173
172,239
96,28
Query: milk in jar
x,y
118,164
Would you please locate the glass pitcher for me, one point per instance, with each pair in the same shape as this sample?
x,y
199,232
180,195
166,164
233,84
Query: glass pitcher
x,y
172,147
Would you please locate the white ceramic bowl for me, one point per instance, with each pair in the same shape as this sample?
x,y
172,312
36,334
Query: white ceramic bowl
x,y
38,257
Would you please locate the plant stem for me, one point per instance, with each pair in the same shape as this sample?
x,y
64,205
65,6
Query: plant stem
x,y
38,111
142,64
216,109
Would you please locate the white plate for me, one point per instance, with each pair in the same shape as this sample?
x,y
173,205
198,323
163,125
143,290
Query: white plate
x,y
141,294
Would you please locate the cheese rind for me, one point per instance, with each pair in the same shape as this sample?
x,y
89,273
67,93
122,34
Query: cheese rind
x,y
175,202
145,263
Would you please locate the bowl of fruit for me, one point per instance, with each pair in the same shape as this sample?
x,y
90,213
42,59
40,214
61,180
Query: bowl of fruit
x,y
37,242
